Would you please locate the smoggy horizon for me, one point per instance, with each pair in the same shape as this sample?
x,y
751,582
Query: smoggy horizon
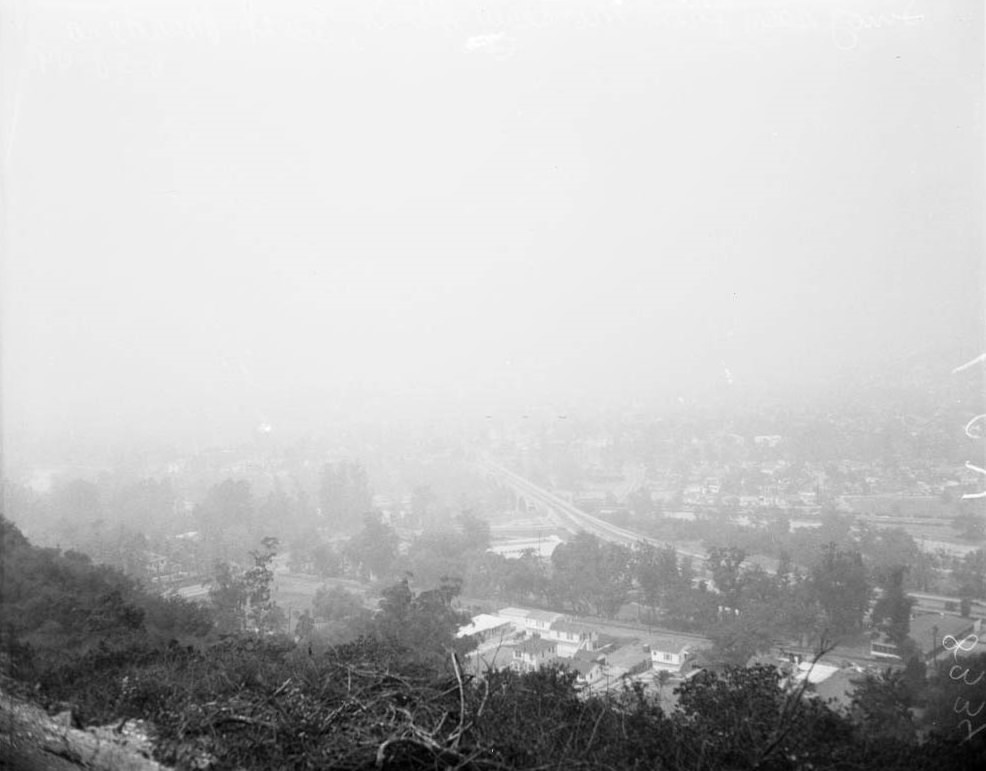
x,y
254,214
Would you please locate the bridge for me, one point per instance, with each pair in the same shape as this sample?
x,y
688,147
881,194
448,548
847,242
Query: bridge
x,y
570,518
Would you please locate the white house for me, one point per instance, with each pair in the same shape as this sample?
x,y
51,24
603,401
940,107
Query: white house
x,y
668,653
587,671
515,548
485,627
531,621
533,654
570,637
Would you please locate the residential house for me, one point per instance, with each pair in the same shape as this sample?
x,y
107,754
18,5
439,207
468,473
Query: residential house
x,y
628,659
587,671
484,627
570,637
515,616
669,653
530,621
533,654
540,621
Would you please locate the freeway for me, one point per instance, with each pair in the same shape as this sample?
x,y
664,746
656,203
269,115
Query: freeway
x,y
571,518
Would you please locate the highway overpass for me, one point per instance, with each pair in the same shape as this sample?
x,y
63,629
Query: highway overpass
x,y
570,518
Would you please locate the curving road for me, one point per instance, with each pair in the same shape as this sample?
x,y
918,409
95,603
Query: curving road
x,y
571,518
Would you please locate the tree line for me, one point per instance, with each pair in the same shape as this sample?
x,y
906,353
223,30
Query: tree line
x,y
401,698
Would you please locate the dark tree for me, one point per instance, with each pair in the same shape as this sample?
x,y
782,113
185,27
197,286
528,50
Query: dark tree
x,y
646,573
424,624
892,612
374,548
475,531
881,705
228,597
970,574
736,639
743,718
262,611
525,578
840,585
589,574
727,575
345,616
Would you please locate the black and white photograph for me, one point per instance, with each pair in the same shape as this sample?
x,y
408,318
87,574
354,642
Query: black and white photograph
x,y
552,385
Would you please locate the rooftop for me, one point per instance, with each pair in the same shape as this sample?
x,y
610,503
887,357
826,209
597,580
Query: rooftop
x,y
482,623
534,646
513,612
544,615
669,644
582,666
939,625
817,673
570,627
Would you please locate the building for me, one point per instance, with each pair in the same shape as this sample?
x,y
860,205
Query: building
x,y
516,547
533,654
570,637
531,621
837,689
587,671
930,632
484,627
669,653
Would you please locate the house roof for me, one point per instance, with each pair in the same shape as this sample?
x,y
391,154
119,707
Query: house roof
x,y
522,615
570,627
939,625
817,673
838,688
581,666
482,623
513,612
544,615
534,646
629,656
669,644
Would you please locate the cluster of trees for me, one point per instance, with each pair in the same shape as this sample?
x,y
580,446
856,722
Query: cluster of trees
x,y
116,525
241,598
56,605
374,554
829,601
398,696
743,608
969,574
133,524
772,535
425,621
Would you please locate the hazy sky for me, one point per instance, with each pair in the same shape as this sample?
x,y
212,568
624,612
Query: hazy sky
x,y
216,209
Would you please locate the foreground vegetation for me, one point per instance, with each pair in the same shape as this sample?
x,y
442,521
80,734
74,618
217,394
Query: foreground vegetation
x,y
84,637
